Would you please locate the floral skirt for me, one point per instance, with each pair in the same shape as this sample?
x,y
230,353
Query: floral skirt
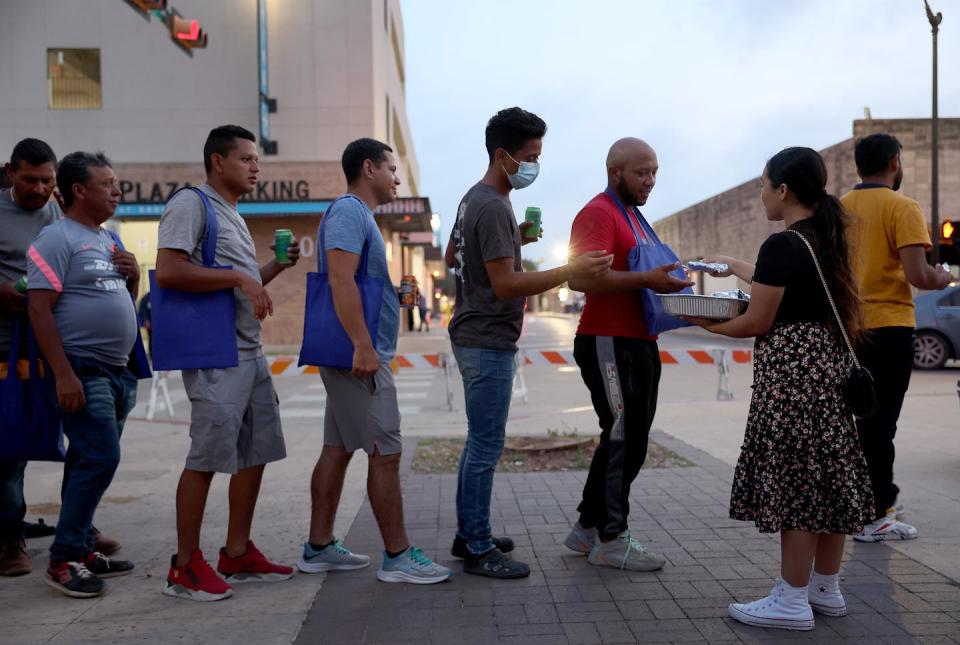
x,y
801,465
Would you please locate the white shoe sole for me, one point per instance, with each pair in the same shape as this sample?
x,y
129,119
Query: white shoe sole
x,y
602,561
179,591
401,576
320,567
882,537
827,610
241,578
778,623
73,594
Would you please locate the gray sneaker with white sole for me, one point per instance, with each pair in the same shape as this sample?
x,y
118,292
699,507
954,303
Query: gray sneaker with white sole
x,y
626,554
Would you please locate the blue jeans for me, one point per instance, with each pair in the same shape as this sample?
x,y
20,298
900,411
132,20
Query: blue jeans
x,y
488,388
93,454
13,507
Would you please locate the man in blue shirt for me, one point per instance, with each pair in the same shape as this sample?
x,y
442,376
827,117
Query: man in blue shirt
x,y
362,410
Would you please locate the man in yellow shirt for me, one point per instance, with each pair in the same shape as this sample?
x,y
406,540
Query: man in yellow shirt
x,y
890,237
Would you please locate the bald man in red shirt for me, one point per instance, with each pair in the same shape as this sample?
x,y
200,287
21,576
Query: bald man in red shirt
x,y
619,360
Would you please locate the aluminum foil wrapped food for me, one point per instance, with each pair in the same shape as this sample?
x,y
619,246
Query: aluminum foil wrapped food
x,y
739,294
709,267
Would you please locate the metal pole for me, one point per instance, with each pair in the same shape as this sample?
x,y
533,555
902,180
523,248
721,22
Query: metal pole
x,y
935,20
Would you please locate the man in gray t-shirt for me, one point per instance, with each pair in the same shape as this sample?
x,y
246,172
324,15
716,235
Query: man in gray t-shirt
x,y
25,208
181,228
82,290
484,249
235,418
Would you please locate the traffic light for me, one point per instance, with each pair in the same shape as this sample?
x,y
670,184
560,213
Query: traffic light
x,y
949,242
185,33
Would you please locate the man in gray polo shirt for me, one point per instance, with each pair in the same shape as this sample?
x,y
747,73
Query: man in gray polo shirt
x,y
235,418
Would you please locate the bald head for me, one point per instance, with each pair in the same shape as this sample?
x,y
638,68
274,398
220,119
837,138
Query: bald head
x,y
628,150
632,170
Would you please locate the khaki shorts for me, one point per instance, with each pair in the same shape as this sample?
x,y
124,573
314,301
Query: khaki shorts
x,y
361,412
235,417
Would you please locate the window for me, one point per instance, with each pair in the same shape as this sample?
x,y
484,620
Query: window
x,y
397,55
386,13
952,300
73,77
388,119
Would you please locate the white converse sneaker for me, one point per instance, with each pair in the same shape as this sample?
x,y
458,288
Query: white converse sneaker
x,y
824,595
785,608
886,528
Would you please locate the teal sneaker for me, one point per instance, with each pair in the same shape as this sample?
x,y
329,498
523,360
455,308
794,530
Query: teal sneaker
x,y
335,557
414,567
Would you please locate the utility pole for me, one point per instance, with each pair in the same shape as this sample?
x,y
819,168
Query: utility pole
x,y
935,20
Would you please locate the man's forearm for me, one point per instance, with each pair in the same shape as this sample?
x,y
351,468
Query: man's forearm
x,y
269,271
612,282
523,284
349,308
48,339
187,276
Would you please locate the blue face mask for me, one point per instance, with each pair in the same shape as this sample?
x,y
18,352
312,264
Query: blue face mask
x,y
525,175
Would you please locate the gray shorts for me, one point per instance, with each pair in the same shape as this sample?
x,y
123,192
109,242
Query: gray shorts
x,y
361,412
235,417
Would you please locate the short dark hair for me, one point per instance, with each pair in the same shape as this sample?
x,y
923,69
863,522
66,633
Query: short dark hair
x,y
874,152
75,169
221,140
511,128
34,151
359,151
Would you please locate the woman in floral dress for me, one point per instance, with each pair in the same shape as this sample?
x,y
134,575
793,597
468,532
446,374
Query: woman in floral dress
x,y
801,470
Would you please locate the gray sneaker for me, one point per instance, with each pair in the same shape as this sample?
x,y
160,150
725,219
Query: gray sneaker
x,y
335,557
581,539
412,566
625,553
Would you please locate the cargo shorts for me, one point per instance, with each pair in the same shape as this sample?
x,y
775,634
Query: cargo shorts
x,y
235,417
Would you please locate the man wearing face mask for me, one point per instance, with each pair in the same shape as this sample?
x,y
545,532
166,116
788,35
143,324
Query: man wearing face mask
x,y
619,360
484,249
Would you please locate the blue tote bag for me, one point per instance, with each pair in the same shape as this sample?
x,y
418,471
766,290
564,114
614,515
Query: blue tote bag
x,y
325,341
195,330
30,425
648,254
139,364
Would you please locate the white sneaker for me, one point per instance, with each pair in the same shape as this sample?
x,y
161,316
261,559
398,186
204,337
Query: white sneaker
x,y
886,528
785,608
824,595
581,539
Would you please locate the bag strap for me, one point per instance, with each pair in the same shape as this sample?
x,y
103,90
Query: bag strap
x,y
364,252
210,231
826,289
616,200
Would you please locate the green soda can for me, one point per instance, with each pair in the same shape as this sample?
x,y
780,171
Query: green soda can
x,y
532,215
281,242
21,285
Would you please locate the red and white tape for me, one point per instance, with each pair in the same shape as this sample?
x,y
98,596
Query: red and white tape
x,y
287,365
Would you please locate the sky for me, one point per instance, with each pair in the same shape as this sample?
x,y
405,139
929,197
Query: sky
x,y
716,87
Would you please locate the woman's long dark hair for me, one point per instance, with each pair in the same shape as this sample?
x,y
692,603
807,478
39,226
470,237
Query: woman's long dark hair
x,y
805,175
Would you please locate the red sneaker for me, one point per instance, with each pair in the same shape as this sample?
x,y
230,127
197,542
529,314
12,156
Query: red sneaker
x,y
196,580
252,566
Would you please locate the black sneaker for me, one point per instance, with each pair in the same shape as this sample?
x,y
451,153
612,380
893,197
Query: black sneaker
x,y
104,567
74,579
38,529
459,548
494,564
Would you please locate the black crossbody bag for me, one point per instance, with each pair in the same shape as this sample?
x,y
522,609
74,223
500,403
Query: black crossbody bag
x,y
859,389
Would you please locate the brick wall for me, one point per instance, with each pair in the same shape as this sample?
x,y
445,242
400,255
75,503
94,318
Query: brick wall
x,y
733,222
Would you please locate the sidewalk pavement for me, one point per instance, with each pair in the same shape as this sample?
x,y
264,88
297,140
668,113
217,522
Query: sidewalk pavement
x,y
680,512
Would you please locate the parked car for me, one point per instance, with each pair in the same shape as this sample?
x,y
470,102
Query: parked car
x,y
938,328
